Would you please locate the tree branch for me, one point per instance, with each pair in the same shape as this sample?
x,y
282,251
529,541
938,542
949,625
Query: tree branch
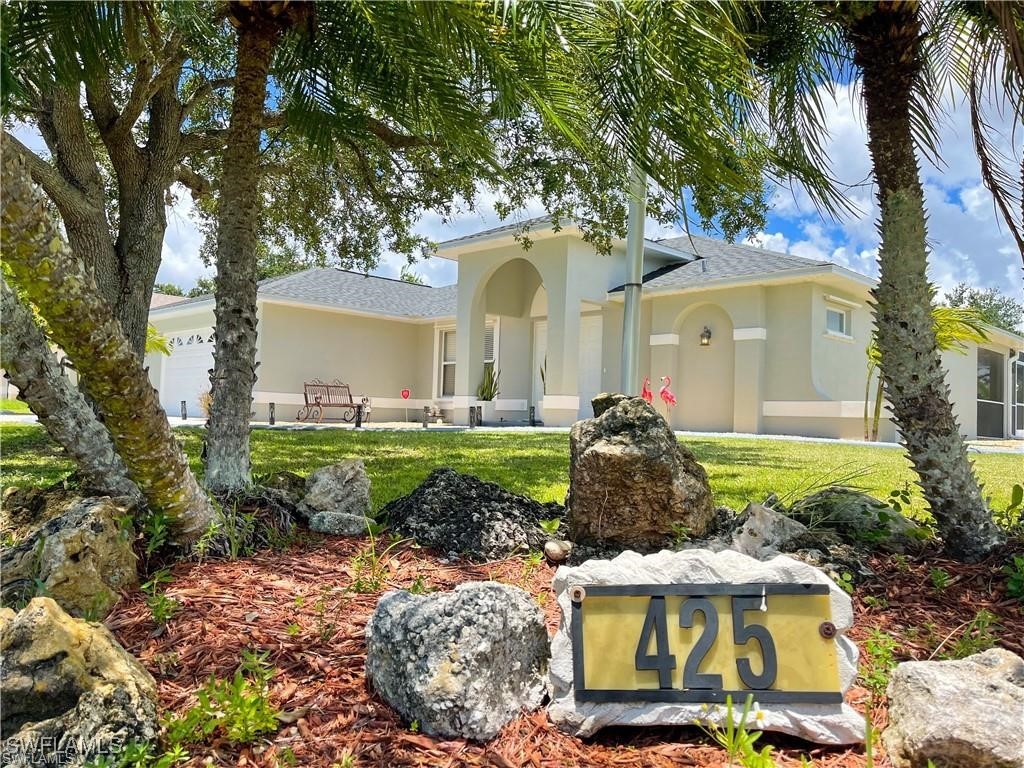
x,y
205,89
198,184
393,138
64,195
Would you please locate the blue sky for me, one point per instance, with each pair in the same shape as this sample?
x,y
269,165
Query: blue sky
x,y
968,241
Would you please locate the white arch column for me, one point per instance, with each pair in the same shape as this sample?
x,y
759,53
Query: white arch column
x,y
470,322
750,345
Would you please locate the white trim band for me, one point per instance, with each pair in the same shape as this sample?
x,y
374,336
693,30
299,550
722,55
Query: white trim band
x,y
749,334
561,402
463,401
814,409
510,405
664,339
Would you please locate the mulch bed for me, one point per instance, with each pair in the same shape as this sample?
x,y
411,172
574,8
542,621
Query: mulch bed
x,y
284,602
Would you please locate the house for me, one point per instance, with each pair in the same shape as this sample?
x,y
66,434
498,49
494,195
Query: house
x,y
754,341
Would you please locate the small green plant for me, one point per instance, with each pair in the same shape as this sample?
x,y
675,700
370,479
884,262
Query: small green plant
x,y
414,726
141,754
348,760
899,498
293,629
878,603
845,581
325,630
156,532
287,757
489,384
736,738
1012,517
979,634
160,605
939,578
370,565
680,533
238,528
901,563
552,526
879,661
420,586
237,709
1014,571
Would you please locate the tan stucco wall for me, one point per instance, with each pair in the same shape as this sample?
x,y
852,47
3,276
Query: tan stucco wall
x,y
375,357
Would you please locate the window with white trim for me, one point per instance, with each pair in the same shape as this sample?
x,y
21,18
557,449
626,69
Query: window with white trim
x,y
447,362
837,321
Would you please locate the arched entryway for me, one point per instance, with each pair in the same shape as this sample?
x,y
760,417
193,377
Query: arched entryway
x,y
704,386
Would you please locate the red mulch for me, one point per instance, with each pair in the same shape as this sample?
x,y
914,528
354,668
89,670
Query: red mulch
x,y
250,603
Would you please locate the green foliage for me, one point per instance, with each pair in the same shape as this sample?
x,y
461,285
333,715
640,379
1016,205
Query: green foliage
x,y
994,307
168,289
939,578
735,737
160,605
1014,571
879,660
844,580
979,634
420,586
371,565
141,755
406,275
1011,517
681,534
156,342
237,709
551,526
899,498
156,531
13,405
488,389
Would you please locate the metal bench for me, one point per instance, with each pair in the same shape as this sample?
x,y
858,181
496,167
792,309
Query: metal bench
x,y
319,396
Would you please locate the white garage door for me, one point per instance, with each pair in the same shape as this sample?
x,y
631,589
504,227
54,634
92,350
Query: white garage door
x,y
186,372
590,363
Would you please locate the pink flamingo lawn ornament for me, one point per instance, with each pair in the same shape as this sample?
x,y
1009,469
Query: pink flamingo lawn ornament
x,y
645,391
666,394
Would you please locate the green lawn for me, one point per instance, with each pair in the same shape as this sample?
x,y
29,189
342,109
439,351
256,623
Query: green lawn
x,y
534,464
10,405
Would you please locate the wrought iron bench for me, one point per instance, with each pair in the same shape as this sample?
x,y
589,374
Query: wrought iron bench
x,y
319,396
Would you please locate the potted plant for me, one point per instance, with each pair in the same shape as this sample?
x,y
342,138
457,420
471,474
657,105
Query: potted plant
x,y
487,392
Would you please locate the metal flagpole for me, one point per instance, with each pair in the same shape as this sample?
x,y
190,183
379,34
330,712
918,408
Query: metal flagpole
x,y
630,382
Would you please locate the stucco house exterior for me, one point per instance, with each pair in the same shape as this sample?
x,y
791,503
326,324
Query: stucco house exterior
x,y
754,341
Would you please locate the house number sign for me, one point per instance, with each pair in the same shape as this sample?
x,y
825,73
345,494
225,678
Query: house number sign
x,y
703,642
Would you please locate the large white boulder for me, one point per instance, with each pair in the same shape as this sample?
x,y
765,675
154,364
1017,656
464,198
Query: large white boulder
x,y
958,714
823,723
460,663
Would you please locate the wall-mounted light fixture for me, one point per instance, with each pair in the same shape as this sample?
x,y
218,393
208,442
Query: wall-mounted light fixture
x,y
705,337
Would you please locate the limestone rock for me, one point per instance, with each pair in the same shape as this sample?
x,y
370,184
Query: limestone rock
x,y
856,517
764,531
958,714
556,550
291,485
462,515
822,723
25,509
68,689
631,483
460,663
82,557
606,400
337,499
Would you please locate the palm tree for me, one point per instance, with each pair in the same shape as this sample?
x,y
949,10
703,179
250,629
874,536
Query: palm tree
x,y
81,323
62,410
955,328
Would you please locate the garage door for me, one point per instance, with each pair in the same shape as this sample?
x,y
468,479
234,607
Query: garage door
x,y
186,372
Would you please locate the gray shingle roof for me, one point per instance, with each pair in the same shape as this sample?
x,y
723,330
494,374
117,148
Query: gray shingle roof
x,y
356,291
717,260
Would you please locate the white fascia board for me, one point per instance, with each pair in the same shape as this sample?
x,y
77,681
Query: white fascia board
x,y
789,276
452,249
179,310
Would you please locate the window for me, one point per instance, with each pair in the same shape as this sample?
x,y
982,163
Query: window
x,y
448,357
837,321
447,363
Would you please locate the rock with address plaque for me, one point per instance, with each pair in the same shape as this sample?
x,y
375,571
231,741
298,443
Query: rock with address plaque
x,y
662,639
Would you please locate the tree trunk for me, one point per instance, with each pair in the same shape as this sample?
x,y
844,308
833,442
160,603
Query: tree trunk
x,y
62,410
877,415
234,375
886,41
81,322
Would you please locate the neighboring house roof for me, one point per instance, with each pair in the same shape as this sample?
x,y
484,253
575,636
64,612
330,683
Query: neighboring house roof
x,y
715,261
356,292
164,300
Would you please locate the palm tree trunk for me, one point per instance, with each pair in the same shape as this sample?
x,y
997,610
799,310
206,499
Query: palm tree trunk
x,y
877,416
82,323
227,460
867,400
62,410
886,42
